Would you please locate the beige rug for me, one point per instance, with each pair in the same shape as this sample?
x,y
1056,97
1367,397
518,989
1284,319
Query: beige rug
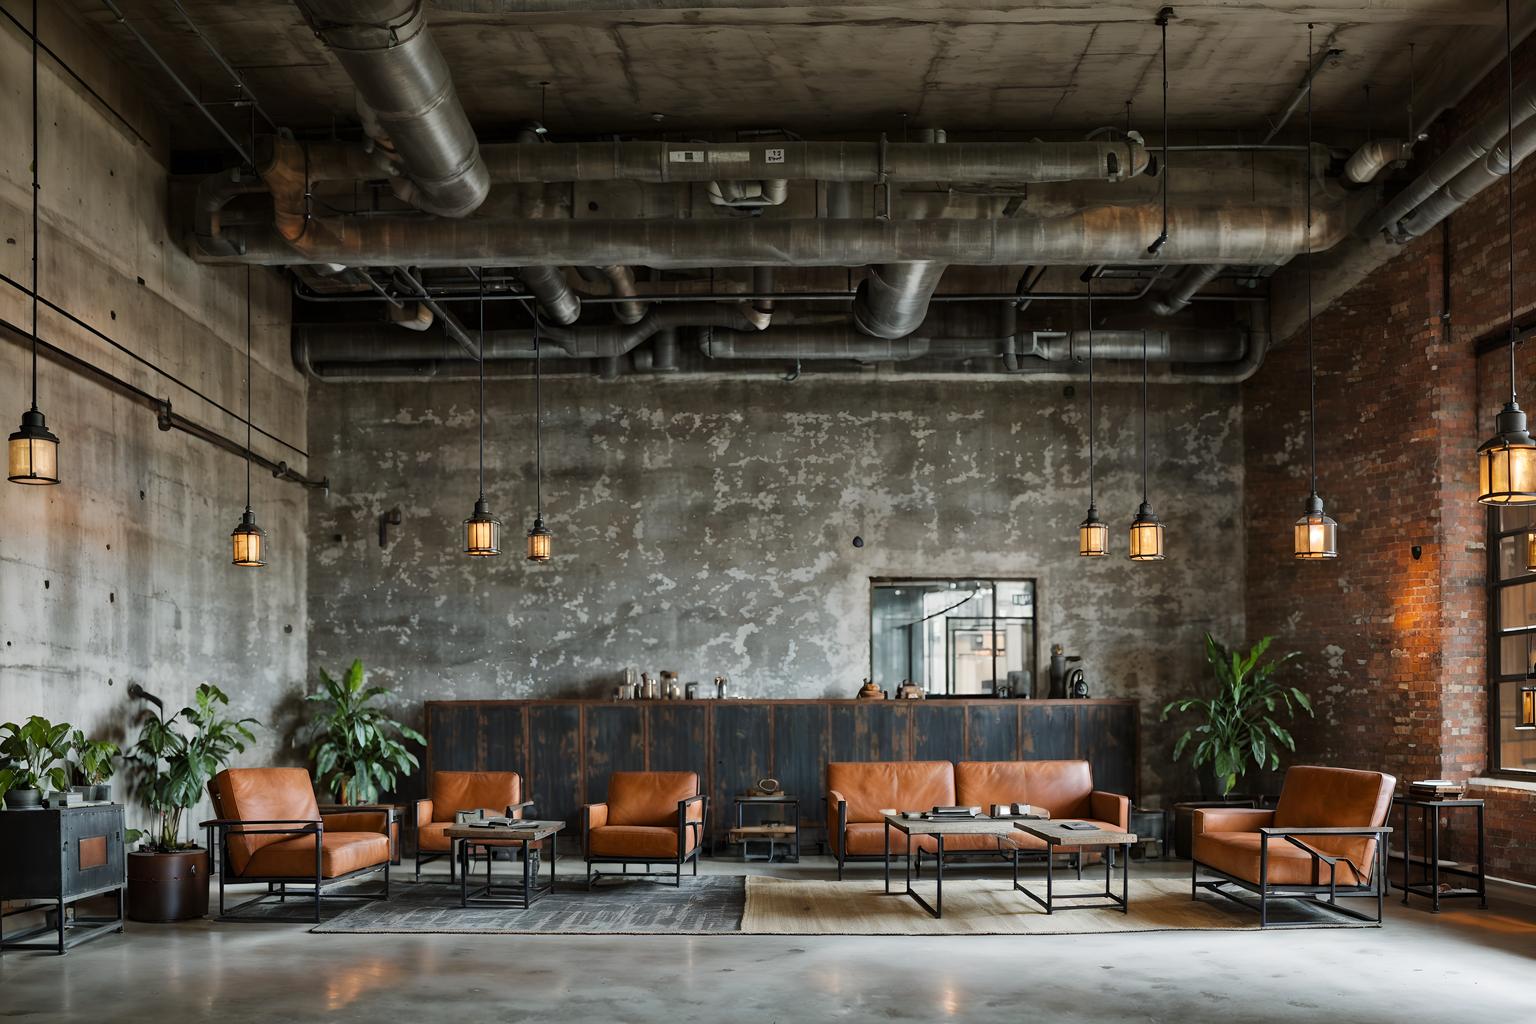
x,y
781,906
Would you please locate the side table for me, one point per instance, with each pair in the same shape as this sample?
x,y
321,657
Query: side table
x,y
788,832
60,856
520,895
1429,885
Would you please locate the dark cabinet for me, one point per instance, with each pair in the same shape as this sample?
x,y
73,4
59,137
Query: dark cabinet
x,y
57,857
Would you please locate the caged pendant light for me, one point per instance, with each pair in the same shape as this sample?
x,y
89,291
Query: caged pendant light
x,y
1147,533
248,540
1506,462
1092,532
482,531
34,449
1316,535
539,538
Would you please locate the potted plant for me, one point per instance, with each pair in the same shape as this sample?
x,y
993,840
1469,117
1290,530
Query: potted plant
x,y
357,749
1238,728
33,754
93,763
174,759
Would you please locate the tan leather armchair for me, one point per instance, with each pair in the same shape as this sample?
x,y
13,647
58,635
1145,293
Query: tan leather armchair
x,y
493,793
271,830
649,818
1325,839
857,791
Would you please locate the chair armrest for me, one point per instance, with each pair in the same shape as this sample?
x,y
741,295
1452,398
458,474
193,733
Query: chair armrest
x,y
237,825
686,820
1111,807
360,819
592,816
1229,819
837,819
1340,830
516,810
422,812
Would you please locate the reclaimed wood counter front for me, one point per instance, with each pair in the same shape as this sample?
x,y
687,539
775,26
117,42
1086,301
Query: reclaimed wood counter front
x,y
565,749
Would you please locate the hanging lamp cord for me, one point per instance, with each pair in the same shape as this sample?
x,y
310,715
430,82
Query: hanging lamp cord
x,y
1156,247
35,189
1090,390
1143,417
247,387
481,362
538,420
1509,143
1311,367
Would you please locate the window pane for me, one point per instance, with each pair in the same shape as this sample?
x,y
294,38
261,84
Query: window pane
x,y
1515,654
952,636
1512,557
1517,606
1516,517
1517,740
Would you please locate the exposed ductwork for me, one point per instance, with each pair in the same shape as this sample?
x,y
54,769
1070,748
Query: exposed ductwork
x,y
1094,235
621,281
406,99
871,162
1374,157
893,300
1178,297
1475,177
1467,150
553,292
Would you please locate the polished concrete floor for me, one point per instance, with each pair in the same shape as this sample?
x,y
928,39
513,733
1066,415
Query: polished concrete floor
x,y
1462,965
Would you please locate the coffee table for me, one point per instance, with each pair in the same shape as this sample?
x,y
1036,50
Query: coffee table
x,y
520,895
939,828
1055,836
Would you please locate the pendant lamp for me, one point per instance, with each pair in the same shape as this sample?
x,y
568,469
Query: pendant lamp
x,y
34,450
1147,533
539,538
1316,535
482,531
1092,532
248,539
1506,462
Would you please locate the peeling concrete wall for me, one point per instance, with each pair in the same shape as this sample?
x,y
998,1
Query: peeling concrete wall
x,y
121,574
707,527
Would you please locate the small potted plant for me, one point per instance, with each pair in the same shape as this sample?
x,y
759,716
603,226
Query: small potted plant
x,y
34,757
94,765
174,759
357,749
1238,730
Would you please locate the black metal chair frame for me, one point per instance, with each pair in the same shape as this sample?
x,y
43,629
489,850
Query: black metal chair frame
x,y
1326,896
277,886
453,845
683,825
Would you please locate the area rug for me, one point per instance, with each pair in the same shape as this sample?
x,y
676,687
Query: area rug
x,y
781,906
707,905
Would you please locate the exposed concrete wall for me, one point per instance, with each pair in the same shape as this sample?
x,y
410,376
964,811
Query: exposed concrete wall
x,y
707,527
121,574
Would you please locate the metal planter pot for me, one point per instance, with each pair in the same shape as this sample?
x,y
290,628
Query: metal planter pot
x,y
23,799
168,886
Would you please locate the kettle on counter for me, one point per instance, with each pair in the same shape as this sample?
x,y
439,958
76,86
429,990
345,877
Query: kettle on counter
x,y
1077,684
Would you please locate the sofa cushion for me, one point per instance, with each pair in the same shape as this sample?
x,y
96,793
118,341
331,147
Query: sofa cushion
x,y
1062,787
340,854
1237,854
650,798
639,841
963,843
870,786
266,794
492,792
863,840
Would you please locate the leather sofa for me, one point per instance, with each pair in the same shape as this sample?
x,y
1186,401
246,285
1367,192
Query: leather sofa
x,y
495,794
271,830
649,818
858,791
1325,839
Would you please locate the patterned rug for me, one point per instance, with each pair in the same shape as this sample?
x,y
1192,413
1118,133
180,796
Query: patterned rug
x,y
707,905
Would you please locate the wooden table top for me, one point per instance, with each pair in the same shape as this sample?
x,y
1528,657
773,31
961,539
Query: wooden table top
x,y
952,826
530,831
1054,834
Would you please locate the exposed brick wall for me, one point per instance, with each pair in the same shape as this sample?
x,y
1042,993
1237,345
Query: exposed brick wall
x,y
1395,647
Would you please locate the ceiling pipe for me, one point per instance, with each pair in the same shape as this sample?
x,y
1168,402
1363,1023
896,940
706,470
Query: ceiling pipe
x,y
893,300
1374,157
1474,178
621,282
1178,297
870,162
1093,235
1470,147
555,296
406,99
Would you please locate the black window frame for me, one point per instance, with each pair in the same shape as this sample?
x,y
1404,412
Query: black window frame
x,y
1495,653
877,582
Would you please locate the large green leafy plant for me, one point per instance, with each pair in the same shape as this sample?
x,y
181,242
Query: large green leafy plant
x,y
1238,728
33,754
176,757
93,758
358,750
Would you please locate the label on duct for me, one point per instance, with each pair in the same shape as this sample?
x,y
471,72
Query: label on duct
x,y
774,156
686,156
729,156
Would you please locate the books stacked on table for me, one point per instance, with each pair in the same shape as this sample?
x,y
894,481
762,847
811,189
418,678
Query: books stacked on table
x,y
954,813
1436,789
1026,811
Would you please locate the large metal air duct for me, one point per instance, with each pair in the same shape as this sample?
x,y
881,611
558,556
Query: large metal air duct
x,y
1100,234
893,300
1474,178
1183,291
553,292
406,98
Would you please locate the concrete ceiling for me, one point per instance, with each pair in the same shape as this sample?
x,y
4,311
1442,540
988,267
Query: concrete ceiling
x,y
1043,66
